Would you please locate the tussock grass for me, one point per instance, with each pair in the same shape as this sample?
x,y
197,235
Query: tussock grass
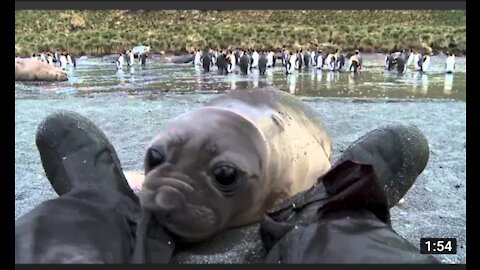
x,y
106,32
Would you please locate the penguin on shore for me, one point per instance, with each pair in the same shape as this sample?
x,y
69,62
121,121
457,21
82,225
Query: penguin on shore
x,y
330,61
198,58
231,62
319,60
244,63
418,61
57,58
450,63
42,57
426,62
339,60
285,57
401,64
63,61
69,59
390,61
119,62
270,59
74,61
355,62
255,59
50,59
292,63
143,60
222,63
214,55
262,63
206,61
313,57
299,59
411,56
130,58
306,59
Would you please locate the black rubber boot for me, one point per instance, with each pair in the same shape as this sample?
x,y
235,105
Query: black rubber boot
x,y
345,217
398,153
74,152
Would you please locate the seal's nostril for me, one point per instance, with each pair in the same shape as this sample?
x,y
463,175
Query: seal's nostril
x,y
154,158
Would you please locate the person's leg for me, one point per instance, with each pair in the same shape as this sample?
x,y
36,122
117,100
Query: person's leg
x,y
345,217
94,219
86,225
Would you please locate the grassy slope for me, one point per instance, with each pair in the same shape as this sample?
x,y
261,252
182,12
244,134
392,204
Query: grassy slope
x,y
107,32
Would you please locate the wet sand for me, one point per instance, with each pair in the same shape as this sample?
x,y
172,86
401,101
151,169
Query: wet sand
x,y
434,207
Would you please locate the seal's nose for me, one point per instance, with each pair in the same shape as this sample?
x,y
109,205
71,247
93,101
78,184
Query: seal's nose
x,y
169,199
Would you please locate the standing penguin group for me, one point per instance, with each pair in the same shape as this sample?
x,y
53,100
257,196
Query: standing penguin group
x,y
130,58
61,60
262,60
226,61
312,58
400,61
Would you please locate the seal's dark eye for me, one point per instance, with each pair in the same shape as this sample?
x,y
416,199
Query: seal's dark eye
x,y
225,175
155,157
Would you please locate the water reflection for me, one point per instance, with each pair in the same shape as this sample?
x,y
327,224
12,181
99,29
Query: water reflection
x,y
292,81
198,77
330,79
351,80
255,74
269,76
121,76
94,74
424,84
416,80
319,75
448,84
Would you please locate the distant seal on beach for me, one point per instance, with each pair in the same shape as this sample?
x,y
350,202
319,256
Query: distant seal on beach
x,y
182,59
225,164
35,70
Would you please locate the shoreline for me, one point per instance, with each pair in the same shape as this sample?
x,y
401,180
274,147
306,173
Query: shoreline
x,y
170,54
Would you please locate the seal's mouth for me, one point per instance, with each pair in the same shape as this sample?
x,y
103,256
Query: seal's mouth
x,y
197,224
165,195
175,206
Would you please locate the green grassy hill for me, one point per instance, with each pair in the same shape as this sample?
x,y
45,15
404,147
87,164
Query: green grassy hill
x,y
105,32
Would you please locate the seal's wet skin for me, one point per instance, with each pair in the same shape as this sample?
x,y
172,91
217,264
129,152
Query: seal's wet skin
x,y
225,164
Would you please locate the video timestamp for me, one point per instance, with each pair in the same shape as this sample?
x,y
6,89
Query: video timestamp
x,y
438,245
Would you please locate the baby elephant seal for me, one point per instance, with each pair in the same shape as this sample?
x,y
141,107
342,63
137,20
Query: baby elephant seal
x,y
223,165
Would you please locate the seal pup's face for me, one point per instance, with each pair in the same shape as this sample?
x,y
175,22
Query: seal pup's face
x,y
205,173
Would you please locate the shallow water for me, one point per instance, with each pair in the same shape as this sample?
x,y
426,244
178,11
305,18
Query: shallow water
x,y
99,75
